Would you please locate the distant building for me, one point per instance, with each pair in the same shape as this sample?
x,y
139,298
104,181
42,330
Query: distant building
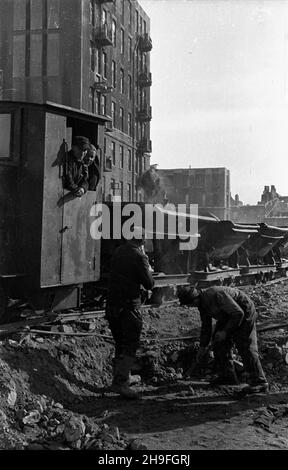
x,y
93,55
207,187
272,209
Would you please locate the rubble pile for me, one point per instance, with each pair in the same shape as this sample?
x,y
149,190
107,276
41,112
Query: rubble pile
x,y
268,415
48,380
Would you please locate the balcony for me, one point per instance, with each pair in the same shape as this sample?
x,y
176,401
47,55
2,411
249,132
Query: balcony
x,y
102,35
145,43
106,1
145,79
144,113
144,145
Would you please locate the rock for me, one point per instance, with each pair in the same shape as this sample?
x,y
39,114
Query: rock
x,y
136,444
8,391
13,343
40,340
12,398
175,356
76,444
107,437
135,379
74,429
32,418
275,353
58,405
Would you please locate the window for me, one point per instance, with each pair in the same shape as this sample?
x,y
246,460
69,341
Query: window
x,y
19,19
137,21
122,41
103,104
92,100
53,54
92,58
130,13
112,186
98,65
53,13
122,7
19,55
144,27
104,16
129,123
113,150
114,32
130,49
129,192
92,13
121,80
104,64
113,113
136,165
36,55
121,156
122,119
129,87
113,72
141,25
129,160
5,135
36,14
121,190
98,103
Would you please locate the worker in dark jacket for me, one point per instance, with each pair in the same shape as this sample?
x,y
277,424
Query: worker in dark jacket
x,y
76,173
236,324
130,270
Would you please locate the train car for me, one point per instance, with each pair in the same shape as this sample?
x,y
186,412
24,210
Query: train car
x,y
46,250
217,256
262,250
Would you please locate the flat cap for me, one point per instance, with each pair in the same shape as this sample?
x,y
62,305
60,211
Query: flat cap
x,y
81,142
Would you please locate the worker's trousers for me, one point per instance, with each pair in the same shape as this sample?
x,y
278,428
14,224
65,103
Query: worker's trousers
x,y
245,340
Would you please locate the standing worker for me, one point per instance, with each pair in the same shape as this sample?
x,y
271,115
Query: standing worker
x,y
236,324
130,270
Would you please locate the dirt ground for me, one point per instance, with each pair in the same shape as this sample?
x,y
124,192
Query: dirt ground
x,y
54,389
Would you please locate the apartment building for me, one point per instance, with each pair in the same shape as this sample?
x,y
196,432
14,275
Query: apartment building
x,y
92,55
207,187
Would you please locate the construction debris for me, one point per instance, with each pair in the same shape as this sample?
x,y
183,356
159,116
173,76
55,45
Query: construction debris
x,y
55,378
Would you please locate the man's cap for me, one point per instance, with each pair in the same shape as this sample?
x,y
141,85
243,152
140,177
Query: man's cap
x,y
187,295
82,142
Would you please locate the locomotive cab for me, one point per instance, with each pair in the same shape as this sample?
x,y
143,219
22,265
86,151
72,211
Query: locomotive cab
x,y
46,249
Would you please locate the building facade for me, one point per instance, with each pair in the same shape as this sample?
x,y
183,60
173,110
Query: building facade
x,y
207,187
92,55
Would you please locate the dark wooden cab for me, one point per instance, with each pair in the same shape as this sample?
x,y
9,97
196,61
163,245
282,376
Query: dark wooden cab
x,y
45,241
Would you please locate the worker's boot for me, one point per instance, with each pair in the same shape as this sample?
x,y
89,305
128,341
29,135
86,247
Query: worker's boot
x,y
120,384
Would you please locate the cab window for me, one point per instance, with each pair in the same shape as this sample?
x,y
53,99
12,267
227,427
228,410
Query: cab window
x,y
5,136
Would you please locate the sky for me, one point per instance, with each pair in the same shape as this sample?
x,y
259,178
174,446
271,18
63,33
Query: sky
x,y
220,89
